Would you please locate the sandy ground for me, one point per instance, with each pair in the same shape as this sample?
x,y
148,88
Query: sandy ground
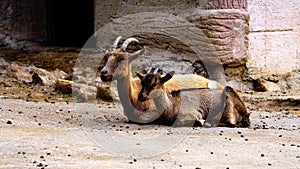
x,y
72,135
42,128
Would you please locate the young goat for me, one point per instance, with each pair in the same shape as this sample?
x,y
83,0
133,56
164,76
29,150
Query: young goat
x,y
189,105
118,67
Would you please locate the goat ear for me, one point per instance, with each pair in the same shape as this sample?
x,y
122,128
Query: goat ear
x,y
161,71
136,55
139,75
167,77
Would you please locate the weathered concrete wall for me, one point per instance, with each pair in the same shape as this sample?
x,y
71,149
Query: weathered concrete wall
x,y
274,37
21,20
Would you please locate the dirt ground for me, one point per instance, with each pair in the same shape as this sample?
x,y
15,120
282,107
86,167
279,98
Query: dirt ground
x,y
43,128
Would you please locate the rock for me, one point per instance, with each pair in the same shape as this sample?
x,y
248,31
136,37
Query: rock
x,y
4,67
293,80
84,93
34,75
262,85
49,78
21,73
103,90
227,30
65,86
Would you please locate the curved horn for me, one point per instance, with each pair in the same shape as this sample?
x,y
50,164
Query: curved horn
x,y
127,42
149,70
156,71
115,45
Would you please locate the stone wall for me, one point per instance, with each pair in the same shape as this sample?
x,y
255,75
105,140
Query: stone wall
x,y
227,27
19,19
274,37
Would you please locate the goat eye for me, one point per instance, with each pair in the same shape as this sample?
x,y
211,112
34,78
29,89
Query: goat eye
x,y
153,85
121,60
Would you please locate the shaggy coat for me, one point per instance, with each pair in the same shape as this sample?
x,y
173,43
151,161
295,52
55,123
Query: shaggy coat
x,y
118,67
188,106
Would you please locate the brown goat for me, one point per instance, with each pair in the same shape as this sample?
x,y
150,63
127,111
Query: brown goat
x,y
189,105
118,67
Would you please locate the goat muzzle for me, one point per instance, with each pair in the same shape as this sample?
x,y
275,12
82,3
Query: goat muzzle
x,y
106,78
142,97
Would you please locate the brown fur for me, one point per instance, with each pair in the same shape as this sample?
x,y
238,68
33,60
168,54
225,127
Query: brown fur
x,y
117,66
196,104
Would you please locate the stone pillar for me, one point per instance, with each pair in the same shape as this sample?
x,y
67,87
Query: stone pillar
x,y
226,24
228,4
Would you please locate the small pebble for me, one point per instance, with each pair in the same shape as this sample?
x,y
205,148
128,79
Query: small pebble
x,y
280,135
8,122
262,155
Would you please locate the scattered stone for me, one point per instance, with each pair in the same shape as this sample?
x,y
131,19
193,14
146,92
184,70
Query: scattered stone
x,y
262,85
65,86
40,165
8,122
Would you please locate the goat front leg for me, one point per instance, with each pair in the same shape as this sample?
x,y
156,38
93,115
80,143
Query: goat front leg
x,y
149,116
189,117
